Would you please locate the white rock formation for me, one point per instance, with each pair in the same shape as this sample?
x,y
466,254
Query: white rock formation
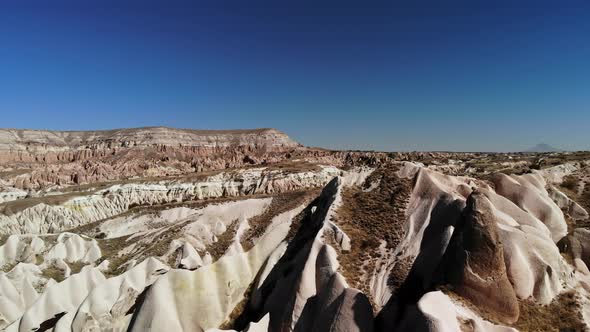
x,y
573,209
529,223
72,248
62,298
212,290
43,218
528,192
8,194
290,279
108,302
436,312
24,140
21,249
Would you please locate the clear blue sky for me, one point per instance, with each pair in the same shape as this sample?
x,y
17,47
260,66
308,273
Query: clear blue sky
x,y
417,75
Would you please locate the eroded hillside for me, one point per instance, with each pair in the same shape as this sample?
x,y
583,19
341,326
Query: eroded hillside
x,y
249,234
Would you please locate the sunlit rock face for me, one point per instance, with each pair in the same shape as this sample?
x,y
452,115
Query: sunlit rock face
x,y
249,231
46,160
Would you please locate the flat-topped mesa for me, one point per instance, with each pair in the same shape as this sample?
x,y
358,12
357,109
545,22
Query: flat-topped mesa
x,y
28,145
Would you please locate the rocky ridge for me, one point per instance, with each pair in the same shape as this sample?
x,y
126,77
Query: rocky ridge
x,y
325,241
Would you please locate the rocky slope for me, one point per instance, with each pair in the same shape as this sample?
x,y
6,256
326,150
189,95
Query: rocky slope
x,y
334,241
36,159
27,145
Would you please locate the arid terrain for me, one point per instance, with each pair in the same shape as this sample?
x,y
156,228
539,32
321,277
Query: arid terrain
x,y
162,229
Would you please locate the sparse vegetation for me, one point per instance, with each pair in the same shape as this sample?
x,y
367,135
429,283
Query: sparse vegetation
x,y
54,273
76,267
561,315
370,216
569,186
218,248
8,267
110,249
570,182
280,204
13,207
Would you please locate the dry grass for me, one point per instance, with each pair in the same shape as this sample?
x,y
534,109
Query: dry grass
x,y
218,248
54,273
570,188
7,267
76,267
368,217
110,249
570,182
487,315
294,167
561,315
3,238
13,207
280,204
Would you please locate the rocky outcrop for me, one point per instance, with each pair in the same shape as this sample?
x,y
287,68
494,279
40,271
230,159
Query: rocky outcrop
x,y
78,157
474,261
569,206
529,192
262,249
436,210
46,218
299,287
44,159
577,245
59,302
49,146
8,194
108,304
303,290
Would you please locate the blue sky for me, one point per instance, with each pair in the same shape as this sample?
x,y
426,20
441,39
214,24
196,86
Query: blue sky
x,y
390,75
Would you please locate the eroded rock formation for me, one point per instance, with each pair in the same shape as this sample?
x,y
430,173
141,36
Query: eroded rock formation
x,y
285,238
474,264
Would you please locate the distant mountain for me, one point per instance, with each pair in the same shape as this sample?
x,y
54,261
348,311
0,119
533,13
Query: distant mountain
x,y
543,148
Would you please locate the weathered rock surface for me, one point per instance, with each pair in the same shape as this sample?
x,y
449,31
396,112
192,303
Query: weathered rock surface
x,y
573,209
43,159
529,192
285,238
474,264
43,145
86,208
